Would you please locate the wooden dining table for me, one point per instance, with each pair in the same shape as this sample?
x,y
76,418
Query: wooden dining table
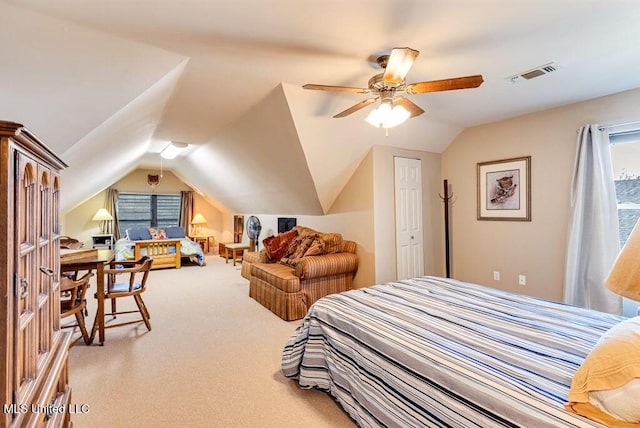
x,y
95,260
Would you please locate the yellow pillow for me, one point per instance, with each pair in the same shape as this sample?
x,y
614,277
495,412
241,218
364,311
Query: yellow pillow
x,y
611,364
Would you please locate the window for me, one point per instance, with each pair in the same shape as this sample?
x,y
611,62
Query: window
x,y
625,157
147,210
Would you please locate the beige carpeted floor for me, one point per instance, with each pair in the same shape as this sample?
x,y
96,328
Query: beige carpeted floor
x,y
211,360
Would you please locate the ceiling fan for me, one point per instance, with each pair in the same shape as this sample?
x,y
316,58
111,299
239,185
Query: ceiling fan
x,y
394,108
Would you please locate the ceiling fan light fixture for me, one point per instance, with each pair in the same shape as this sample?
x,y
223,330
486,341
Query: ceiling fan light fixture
x,y
173,149
387,117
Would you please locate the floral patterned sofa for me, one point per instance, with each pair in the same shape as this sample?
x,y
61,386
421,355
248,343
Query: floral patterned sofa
x,y
296,268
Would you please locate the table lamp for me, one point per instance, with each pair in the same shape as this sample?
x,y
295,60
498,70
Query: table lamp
x,y
624,277
104,216
197,221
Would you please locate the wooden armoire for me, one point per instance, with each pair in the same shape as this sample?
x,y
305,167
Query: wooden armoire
x,y
34,350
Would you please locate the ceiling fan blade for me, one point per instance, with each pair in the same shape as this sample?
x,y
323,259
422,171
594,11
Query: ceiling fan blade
x,y
399,64
413,109
356,107
337,88
445,84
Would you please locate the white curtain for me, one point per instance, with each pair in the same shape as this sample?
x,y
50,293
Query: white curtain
x,y
593,242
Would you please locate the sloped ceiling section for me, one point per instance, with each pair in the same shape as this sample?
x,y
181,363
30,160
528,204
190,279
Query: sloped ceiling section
x,y
335,147
256,165
118,145
63,80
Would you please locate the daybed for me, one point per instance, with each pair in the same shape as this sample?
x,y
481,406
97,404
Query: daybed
x,y
296,268
167,246
440,352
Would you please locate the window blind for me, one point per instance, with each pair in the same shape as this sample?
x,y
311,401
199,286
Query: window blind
x,y
148,210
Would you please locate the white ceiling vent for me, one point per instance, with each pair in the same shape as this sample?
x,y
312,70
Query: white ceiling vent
x,y
536,72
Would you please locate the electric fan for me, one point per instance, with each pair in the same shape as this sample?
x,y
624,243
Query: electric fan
x,y
253,232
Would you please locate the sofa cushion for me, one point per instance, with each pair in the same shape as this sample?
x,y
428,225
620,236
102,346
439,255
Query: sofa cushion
x,y
278,275
276,246
317,247
174,232
138,233
302,230
301,246
333,243
251,257
349,246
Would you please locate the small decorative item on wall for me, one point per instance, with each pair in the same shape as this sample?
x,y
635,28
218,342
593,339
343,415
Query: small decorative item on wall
x,y
153,181
504,189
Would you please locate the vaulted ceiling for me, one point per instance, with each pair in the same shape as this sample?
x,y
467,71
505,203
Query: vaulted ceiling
x,y
108,84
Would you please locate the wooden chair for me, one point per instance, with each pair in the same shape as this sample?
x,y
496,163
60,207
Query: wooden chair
x,y
138,272
73,302
69,242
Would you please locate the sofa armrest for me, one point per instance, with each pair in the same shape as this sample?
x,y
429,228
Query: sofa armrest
x,y
256,257
326,265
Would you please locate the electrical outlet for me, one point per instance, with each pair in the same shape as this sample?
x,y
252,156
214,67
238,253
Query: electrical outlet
x,y
496,275
522,280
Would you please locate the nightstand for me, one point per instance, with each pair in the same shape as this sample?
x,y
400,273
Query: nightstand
x,y
204,241
102,241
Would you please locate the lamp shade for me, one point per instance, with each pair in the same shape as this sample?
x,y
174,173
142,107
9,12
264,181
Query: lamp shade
x,y
198,219
624,278
102,215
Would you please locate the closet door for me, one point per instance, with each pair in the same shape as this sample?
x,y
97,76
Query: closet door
x,y
408,199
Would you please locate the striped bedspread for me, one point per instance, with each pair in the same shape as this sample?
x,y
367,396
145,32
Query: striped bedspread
x,y
435,352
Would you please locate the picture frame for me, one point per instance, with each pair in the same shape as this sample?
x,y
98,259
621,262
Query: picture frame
x,y
504,189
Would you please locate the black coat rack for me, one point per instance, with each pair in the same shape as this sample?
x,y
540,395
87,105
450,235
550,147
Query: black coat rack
x,y
446,198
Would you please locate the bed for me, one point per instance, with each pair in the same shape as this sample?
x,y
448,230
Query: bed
x,y
439,352
167,246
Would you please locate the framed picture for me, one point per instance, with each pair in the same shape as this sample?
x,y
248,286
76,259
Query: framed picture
x,y
504,189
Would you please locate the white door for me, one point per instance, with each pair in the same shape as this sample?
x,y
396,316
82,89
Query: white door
x,y
408,196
